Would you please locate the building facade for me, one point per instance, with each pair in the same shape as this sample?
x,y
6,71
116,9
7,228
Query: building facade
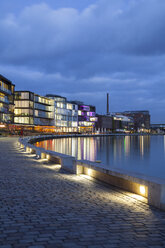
x,y
104,123
114,123
6,101
141,119
53,110
86,117
122,123
32,109
65,114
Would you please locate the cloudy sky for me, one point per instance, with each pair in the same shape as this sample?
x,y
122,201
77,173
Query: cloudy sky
x,y
84,49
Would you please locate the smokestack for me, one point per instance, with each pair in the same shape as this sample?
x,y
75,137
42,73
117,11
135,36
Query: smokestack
x,y
107,103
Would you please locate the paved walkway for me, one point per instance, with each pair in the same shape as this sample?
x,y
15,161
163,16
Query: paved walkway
x,y
43,206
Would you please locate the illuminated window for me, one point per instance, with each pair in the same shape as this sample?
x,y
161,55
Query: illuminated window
x,y
69,106
93,118
24,95
24,112
21,120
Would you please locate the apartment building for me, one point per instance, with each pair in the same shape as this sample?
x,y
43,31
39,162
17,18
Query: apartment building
x,y
52,111
6,101
33,109
86,117
65,114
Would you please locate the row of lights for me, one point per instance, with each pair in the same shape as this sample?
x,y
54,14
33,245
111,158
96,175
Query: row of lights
x,y
142,188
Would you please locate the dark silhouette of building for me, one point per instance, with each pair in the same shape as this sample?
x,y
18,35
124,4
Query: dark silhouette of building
x,y
104,123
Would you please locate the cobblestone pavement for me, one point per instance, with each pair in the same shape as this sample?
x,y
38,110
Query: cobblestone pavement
x,y
43,206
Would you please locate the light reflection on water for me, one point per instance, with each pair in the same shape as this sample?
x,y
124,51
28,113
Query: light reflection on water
x,y
81,148
142,154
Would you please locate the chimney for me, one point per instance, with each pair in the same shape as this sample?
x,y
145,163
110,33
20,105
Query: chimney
x,y
107,103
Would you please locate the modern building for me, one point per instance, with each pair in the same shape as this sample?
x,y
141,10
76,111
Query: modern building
x,y
53,111
122,123
141,119
72,112
114,123
32,109
65,114
86,117
6,101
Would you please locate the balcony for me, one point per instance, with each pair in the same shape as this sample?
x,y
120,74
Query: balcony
x,y
4,99
5,90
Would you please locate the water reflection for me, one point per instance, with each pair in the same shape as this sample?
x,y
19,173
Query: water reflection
x,y
127,145
81,148
101,148
142,154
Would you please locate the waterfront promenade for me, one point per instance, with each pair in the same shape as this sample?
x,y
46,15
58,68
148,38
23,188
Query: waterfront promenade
x,y
44,206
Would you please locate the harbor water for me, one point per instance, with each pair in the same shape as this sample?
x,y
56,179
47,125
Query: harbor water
x,y
138,154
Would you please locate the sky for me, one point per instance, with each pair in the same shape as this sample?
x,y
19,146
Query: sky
x,y
85,49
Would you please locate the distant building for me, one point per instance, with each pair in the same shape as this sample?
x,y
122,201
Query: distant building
x,y
104,123
141,119
158,128
6,100
122,123
114,123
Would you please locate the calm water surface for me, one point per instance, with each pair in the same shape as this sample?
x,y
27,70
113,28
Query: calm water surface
x,y
140,154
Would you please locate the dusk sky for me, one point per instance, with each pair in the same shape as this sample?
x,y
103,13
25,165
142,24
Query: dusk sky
x,y
82,49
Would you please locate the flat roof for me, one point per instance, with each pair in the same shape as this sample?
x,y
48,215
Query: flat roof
x,y
19,91
24,91
132,112
53,95
82,103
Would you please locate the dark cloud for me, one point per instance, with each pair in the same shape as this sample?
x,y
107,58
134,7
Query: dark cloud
x,y
115,46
